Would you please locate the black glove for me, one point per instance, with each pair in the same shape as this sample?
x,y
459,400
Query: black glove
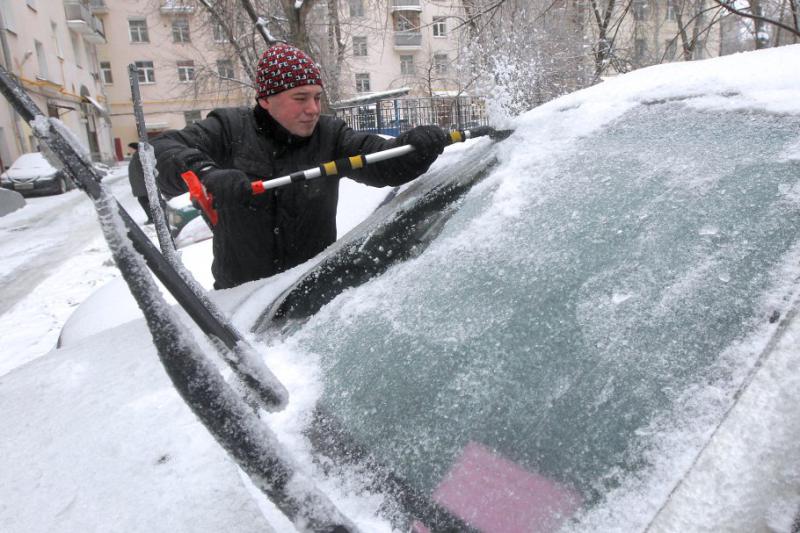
x,y
228,187
428,142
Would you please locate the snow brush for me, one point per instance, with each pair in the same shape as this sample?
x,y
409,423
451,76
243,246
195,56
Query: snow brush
x,y
204,200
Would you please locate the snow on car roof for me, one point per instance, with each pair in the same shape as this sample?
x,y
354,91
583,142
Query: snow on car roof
x,y
32,159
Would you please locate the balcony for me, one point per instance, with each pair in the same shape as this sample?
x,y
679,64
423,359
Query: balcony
x,y
98,7
176,7
81,20
407,39
406,5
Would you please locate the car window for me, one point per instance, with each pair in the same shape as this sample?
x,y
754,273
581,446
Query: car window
x,y
561,327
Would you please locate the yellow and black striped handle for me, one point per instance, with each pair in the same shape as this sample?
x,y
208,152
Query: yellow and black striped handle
x,y
334,168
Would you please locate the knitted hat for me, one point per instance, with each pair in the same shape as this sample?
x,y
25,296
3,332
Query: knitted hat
x,y
285,67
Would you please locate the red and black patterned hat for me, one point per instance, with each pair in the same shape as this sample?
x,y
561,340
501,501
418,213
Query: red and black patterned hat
x,y
285,67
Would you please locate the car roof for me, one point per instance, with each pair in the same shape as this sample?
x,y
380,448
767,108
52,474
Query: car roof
x,y
31,159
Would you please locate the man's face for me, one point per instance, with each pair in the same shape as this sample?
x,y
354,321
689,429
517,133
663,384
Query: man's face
x,y
296,109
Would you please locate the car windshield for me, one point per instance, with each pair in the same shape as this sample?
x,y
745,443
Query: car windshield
x,y
572,301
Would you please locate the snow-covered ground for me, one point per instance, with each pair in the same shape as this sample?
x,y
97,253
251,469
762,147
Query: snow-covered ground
x,y
53,257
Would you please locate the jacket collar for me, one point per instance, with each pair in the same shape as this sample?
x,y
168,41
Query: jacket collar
x,y
269,126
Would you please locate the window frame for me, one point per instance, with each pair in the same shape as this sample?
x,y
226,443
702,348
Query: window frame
x,y
407,67
360,47
218,34
356,8
441,64
41,57
186,70
142,70
106,73
640,10
439,27
138,24
188,116
227,66
639,49
57,39
363,82
671,11
180,30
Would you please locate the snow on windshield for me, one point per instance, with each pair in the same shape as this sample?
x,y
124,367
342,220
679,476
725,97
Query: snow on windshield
x,y
639,192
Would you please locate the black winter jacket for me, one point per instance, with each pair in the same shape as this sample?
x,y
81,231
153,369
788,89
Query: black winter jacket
x,y
136,176
286,226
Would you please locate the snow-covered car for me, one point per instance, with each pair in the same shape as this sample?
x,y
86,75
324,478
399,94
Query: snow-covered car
x,y
31,174
10,201
180,211
580,342
589,326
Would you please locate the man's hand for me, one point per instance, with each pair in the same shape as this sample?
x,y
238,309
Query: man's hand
x,y
228,187
428,142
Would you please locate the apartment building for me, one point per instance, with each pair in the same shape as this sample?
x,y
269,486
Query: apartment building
x,y
662,31
401,43
185,66
50,46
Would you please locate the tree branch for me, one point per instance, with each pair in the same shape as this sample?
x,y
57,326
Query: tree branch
x,y
747,15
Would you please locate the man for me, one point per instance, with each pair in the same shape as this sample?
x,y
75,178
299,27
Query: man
x,y
258,236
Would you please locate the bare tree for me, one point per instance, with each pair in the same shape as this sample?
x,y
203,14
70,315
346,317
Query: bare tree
x,y
755,12
529,52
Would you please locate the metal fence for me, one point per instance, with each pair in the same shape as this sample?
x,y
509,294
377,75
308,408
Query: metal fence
x,y
394,116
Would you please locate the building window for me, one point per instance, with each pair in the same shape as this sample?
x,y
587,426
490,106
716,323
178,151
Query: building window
x,y
105,72
639,9
408,21
439,27
138,31
225,69
640,50
146,72
440,63
76,49
44,72
180,30
699,50
362,83
672,10
219,34
8,15
192,116
356,8
670,49
186,70
407,65
359,46
56,39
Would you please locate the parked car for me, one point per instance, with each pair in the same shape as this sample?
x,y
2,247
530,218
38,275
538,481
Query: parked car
x,y
180,211
590,326
32,174
564,329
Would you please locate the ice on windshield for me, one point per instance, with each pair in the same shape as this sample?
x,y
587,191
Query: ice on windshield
x,y
567,307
